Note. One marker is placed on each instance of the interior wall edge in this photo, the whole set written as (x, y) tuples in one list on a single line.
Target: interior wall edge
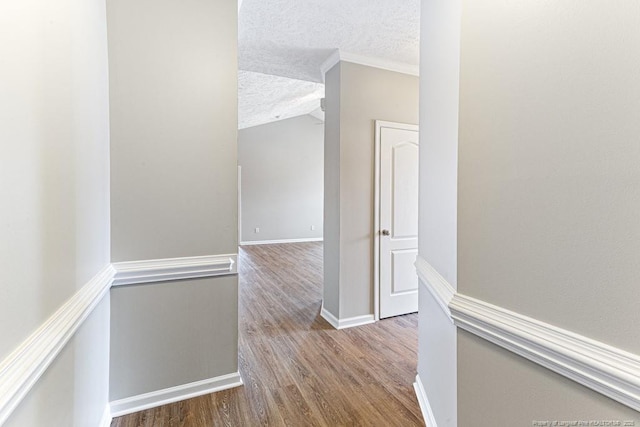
[(423, 401), (608, 370)]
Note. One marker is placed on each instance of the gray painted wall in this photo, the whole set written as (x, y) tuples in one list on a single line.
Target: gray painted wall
[(54, 181), (331, 245), (558, 173), (437, 240), (282, 179), (173, 132), (188, 328), (548, 173), (366, 94), (74, 390), (522, 391), (173, 71)]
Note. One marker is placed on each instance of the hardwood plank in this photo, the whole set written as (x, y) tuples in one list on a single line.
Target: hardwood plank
[(297, 369)]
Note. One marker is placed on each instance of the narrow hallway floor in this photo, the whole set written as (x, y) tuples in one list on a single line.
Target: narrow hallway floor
[(297, 369)]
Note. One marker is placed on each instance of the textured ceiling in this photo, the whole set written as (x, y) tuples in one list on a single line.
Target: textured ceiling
[(292, 38), (265, 98)]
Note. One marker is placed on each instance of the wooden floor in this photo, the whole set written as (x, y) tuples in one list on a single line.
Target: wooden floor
[(297, 369)]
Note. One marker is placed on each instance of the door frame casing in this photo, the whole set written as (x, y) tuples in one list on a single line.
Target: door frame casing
[(379, 124)]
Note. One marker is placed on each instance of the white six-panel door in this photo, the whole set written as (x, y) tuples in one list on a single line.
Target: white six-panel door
[(398, 218)]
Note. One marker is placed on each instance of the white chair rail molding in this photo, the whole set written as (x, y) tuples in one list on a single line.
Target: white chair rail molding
[(613, 372), (22, 368)]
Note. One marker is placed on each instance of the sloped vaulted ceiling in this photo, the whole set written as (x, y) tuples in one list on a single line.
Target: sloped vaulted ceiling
[(291, 39)]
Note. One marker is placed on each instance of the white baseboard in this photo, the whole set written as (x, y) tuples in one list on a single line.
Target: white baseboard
[(349, 322), (106, 419), (423, 401), (174, 394), (272, 242), (326, 315)]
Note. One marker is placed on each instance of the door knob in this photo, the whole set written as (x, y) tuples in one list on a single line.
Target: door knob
[(386, 233)]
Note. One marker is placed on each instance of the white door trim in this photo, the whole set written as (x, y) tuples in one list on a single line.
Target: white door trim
[(239, 202), (379, 124)]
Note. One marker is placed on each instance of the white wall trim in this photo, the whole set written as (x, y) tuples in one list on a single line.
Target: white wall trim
[(239, 201), (272, 242), (348, 322), (329, 317), (174, 394), (354, 58), (329, 63), (106, 419), (159, 270), (423, 401), (21, 369), (437, 286), (608, 370)]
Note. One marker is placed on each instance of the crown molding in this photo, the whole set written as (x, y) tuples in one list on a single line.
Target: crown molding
[(329, 63), (369, 61)]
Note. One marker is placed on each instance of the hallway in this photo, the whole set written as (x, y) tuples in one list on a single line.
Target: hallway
[(298, 370)]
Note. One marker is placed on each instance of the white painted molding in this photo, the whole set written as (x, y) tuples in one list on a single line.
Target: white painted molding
[(273, 242), (608, 370), (348, 322), (437, 286), (21, 369), (326, 315), (329, 63), (423, 401), (159, 270), (174, 394), (25, 365), (106, 419), (398, 67)]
